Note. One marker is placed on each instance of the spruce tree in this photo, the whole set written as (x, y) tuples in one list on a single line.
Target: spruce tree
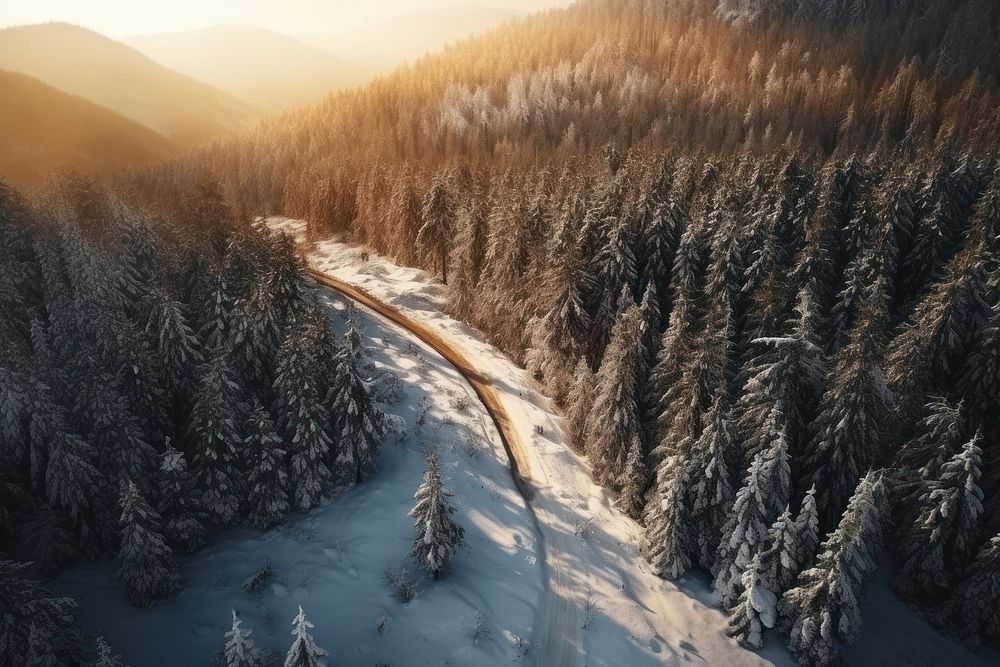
[(302, 418), (216, 440), (971, 610), (176, 343), (807, 528), (757, 504), (942, 540), (34, 622), (848, 435), (177, 503), (147, 565), (304, 652), (580, 402), (438, 216), (755, 609), (633, 480), (267, 479), (239, 650), (711, 493), (438, 536), (106, 656), (822, 611), (358, 424), (667, 546), (614, 418)]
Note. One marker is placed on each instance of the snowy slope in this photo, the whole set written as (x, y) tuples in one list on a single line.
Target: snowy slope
[(596, 577), (330, 560), (639, 618)]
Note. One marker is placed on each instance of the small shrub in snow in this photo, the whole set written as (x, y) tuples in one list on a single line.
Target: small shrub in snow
[(257, 580), (382, 625), (400, 585), (584, 528), (522, 647), (423, 412), (539, 429), (461, 405), (481, 632), (590, 609), (387, 388), (471, 445)]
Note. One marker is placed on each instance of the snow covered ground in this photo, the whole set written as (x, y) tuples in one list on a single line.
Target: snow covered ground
[(632, 617), (331, 560), (570, 589)]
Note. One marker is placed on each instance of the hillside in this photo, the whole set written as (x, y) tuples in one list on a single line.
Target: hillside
[(750, 248), (86, 64), (43, 129), (385, 45), (267, 70)]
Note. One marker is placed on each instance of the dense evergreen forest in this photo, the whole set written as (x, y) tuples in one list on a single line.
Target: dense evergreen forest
[(749, 246), (163, 374), (766, 239)]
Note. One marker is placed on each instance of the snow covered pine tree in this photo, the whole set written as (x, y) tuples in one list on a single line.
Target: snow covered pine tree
[(239, 650), (438, 536), (147, 568), (304, 652)]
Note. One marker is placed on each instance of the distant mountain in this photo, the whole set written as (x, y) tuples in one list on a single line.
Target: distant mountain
[(43, 129), (268, 70), (84, 63), (386, 45)]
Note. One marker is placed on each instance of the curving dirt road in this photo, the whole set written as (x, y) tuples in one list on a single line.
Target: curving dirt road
[(559, 640)]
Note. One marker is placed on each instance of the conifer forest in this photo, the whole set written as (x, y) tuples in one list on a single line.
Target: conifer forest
[(735, 262)]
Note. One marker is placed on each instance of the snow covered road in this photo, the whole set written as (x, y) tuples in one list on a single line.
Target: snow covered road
[(602, 606)]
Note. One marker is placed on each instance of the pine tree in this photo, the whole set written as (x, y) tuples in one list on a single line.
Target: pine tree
[(781, 561), (849, 433), (176, 342), (786, 374), (438, 215), (942, 540), (302, 417), (239, 649), (267, 480), (147, 569), (971, 610), (756, 608), (581, 400), (614, 418), (666, 545), (822, 610), (216, 439), (34, 622), (106, 656), (807, 528), (178, 507), (438, 536), (568, 323), (304, 652), (711, 494), (633, 480), (757, 504), (359, 425)]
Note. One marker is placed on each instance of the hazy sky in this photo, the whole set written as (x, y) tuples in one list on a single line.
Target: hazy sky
[(120, 18)]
